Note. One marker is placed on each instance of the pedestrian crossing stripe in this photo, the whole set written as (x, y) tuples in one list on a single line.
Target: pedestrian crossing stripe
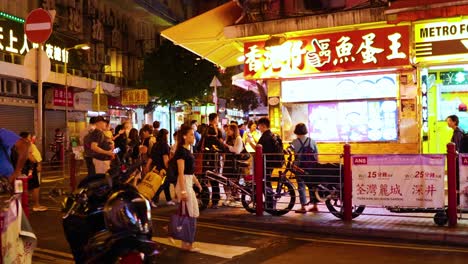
[(212, 249)]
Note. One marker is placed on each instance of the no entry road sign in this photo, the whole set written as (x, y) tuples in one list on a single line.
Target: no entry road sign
[(38, 26)]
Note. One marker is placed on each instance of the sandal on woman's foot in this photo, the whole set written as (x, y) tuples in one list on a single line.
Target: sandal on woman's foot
[(194, 250), (301, 211), (313, 209)]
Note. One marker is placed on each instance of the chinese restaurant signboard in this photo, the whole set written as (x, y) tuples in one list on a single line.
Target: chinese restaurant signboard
[(342, 51), (441, 38), (399, 180), (135, 97), (13, 40)]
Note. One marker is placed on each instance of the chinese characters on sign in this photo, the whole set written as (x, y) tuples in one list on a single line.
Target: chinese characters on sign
[(14, 40), (135, 97), (59, 97), (360, 49), (399, 180), (463, 180)]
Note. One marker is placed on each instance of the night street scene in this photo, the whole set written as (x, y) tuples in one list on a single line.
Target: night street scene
[(233, 131)]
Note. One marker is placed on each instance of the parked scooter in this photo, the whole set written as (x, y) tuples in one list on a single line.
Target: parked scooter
[(108, 221)]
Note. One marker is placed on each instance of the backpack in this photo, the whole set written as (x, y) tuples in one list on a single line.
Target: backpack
[(463, 148), (277, 160), (305, 155)]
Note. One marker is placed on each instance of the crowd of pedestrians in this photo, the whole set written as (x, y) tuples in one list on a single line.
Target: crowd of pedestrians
[(150, 146)]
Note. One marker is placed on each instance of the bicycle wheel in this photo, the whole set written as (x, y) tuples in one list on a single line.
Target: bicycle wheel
[(248, 200), (335, 206), (280, 202)]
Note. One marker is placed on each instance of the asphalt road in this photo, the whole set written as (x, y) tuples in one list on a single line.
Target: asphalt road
[(224, 243)]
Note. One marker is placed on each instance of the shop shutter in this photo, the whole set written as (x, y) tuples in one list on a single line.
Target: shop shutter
[(17, 118), (53, 120)]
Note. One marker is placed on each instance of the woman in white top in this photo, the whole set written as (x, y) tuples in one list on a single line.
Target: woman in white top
[(251, 136), (233, 146)]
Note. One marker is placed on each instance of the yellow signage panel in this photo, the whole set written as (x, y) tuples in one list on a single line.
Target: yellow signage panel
[(441, 30), (135, 97)]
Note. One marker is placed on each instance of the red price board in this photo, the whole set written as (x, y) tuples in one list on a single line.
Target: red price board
[(399, 180)]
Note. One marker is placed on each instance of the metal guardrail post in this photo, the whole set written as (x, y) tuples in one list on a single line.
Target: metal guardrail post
[(72, 172), (452, 184), (259, 175), (348, 185)]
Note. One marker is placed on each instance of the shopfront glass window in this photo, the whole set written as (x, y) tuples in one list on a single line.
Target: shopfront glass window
[(347, 109)]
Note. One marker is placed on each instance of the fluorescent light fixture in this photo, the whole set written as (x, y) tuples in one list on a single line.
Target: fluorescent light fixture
[(83, 46), (446, 67)]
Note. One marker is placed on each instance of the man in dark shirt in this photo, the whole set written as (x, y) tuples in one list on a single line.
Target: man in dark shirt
[(452, 122), (96, 140), (268, 144)]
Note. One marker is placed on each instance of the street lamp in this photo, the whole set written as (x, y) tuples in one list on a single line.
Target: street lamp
[(83, 46)]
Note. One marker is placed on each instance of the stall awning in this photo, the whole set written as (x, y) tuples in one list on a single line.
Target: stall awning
[(204, 35)]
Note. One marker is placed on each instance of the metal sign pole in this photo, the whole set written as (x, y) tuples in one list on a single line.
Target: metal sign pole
[(39, 100)]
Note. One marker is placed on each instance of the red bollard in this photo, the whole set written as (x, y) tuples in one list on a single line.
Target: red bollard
[(259, 175), (452, 184), (72, 172), (348, 185)]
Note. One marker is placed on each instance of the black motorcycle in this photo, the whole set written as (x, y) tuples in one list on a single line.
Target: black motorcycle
[(108, 221)]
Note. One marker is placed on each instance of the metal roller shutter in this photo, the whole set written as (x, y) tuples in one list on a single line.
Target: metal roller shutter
[(17, 118), (53, 119)]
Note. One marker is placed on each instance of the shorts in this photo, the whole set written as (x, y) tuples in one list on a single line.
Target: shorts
[(33, 183)]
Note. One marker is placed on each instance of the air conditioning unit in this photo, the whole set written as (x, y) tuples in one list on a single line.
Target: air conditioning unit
[(11, 87), (24, 88)]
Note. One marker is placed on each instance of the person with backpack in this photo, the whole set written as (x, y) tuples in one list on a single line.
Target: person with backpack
[(461, 145), (159, 161), (305, 158), (272, 148), (11, 143), (452, 122)]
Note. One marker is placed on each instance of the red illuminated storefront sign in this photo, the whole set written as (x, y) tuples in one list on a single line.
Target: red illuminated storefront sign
[(342, 51), (59, 97)]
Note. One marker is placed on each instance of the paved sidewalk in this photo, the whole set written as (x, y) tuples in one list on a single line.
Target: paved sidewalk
[(381, 224)]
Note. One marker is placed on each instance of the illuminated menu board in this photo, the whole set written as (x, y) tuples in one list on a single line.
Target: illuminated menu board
[(353, 121), (345, 88)]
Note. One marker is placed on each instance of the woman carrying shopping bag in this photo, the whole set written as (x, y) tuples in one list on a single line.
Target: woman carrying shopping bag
[(184, 189)]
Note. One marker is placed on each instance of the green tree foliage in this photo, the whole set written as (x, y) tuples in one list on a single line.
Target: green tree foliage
[(173, 73)]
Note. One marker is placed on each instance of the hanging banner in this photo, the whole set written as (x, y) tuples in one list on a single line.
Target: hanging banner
[(135, 97), (341, 51), (399, 180), (463, 174)]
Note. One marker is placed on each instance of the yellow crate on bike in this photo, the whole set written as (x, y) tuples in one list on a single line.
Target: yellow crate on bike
[(151, 183)]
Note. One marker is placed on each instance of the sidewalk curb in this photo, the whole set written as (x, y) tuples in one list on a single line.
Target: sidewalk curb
[(435, 235)]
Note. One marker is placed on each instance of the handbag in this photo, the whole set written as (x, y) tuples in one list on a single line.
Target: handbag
[(182, 226), (244, 155)]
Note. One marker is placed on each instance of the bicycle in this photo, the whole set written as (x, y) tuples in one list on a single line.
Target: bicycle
[(328, 178)]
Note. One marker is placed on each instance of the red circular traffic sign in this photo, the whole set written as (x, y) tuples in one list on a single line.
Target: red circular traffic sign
[(38, 26)]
